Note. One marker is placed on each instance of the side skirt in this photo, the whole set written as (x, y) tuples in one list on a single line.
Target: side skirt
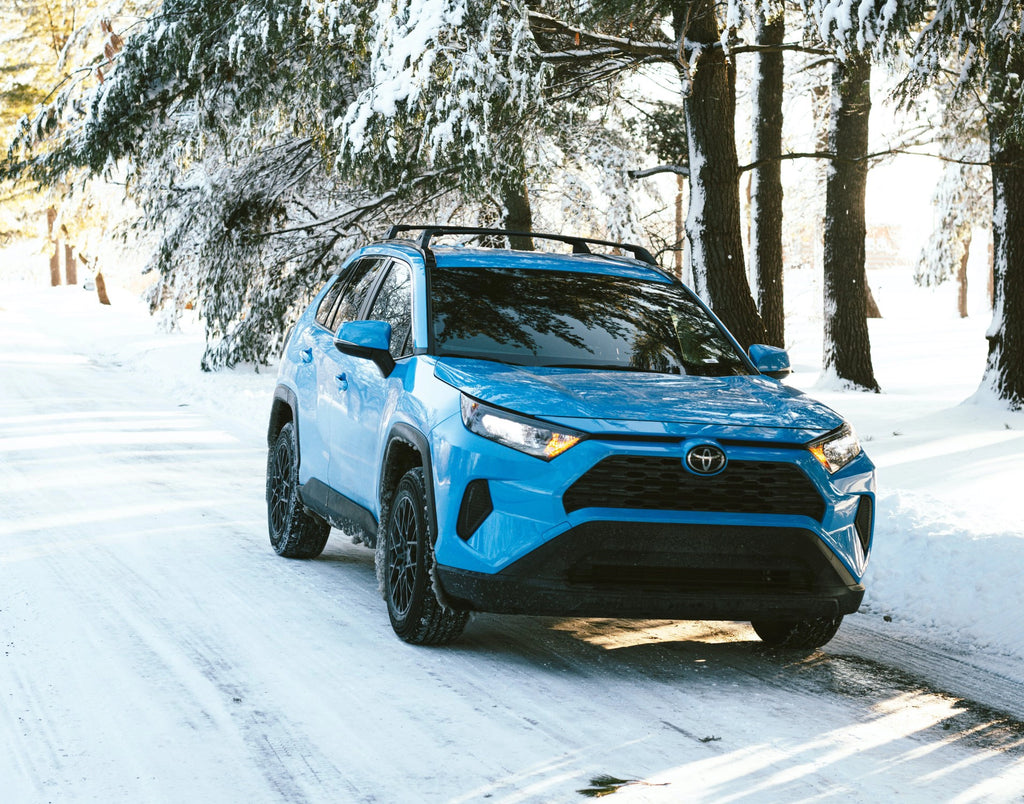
[(339, 510)]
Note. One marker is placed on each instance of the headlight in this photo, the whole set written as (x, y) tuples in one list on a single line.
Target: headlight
[(836, 449), (517, 432)]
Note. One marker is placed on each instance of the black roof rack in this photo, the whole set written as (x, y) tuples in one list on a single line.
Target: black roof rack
[(579, 244)]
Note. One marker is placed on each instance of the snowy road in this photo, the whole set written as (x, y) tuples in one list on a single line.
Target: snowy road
[(155, 649)]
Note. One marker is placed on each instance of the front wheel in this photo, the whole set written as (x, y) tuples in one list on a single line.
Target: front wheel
[(416, 614), (294, 533), (812, 632)]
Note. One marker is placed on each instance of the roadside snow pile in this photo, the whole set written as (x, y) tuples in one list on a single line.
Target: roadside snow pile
[(939, 572)]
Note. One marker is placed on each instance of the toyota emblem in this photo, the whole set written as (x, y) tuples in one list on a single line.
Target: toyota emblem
[(705, 459)]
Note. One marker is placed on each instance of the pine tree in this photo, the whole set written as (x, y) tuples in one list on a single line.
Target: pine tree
[(223, 116), (963, 194), (847, 343), (766, 181), (611, 35), (981, 44)]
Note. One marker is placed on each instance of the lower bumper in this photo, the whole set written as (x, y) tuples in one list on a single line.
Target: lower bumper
[(665, 570)]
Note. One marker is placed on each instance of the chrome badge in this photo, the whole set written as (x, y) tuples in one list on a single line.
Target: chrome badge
[(706, 459)]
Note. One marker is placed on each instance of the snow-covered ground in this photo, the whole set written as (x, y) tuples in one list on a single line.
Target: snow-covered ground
[(154, 648)]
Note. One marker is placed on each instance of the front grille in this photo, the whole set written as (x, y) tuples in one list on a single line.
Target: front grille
[(663, 484)]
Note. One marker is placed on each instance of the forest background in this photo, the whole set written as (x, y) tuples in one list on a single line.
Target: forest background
[(245, 148)]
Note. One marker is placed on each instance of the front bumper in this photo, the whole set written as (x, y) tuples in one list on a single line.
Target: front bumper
[(740, 551), (672, 571)]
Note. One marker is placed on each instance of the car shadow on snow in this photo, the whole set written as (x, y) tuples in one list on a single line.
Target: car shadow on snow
[(660, 652)]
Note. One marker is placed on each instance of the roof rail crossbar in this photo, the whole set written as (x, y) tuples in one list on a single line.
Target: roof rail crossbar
[(579, 244)]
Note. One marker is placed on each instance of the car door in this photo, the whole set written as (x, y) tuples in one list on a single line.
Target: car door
[(333, 368), (308, 342), (356, 434)]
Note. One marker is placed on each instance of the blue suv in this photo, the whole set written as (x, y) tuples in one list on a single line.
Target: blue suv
[(572, 434)]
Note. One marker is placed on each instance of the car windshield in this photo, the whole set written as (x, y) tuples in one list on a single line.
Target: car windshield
[(579, 320)]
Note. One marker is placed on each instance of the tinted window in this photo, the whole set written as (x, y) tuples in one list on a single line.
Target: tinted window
[(358, 280), (556, 318), (394, 305), (323, 312)]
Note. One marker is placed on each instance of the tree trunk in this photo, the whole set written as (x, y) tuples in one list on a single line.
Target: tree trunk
[(680, 235), (766, 190), (1004, 369), (515, 200), (847, 345), (713, 219), (961, 276), (54, 237), (70, 264), (869, 300), (991, 276), (516, 214), (821, 106), (101, 288)]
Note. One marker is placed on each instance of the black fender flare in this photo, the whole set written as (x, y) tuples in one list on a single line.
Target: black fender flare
[(284, 408), (402, 433)]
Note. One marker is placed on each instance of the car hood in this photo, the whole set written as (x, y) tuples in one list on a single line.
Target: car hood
[(628, 402)]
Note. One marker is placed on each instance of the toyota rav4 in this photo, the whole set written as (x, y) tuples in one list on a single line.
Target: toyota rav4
[(568, 433)]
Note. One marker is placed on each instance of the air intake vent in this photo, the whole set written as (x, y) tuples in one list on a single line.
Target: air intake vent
[(865, 517), (476, 507)]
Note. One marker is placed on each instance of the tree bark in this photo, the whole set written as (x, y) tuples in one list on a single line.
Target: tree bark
[(518, 217), (869, 300), (961, 276), (713, 220), (821, 103), (101, 288), (1004, 369), (766, 181), (847, 345), (54, 237), (680, 232), (70, 264)]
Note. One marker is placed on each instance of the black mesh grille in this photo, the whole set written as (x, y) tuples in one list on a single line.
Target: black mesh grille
[(663, 484)]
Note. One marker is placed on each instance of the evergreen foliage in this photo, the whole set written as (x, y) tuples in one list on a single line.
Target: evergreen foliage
[(963, 195), (261, 138)]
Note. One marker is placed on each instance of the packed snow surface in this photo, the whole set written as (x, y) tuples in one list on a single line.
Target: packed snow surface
[(155, 649)]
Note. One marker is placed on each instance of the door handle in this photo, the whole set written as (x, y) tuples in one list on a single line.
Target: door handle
[(307, 355), (342, 382)]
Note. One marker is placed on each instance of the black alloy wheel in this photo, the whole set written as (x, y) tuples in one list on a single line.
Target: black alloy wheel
[(417, 615), (294, 533)]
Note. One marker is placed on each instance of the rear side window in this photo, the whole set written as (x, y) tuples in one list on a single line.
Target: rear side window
[(394, 305), (356, 282), (323, 312)]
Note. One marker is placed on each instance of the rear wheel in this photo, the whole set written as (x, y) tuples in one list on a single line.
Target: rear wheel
[(294, 533), (812, 632), (416, 614)]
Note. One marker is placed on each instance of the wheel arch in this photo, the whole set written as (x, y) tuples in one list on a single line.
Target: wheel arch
[(282, 411), (406, 449)]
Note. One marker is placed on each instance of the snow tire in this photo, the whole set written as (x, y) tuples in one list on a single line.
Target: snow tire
[(417, 615), (812, 632), (294, 532)]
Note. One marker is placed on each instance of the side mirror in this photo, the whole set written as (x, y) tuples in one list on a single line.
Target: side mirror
[(770, 360), (367, 339)]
